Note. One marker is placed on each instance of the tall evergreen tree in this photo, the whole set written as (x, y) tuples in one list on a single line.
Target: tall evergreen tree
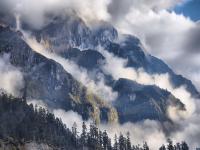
[(122, 142), (184, 146), (178, 146), (162, 147), (74, 134), (105, 140), (145, 146), (83, 135), (170, 145), (115, 145), (100, 139), (128, 141)]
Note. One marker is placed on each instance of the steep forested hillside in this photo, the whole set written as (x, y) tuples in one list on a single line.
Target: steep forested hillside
[(23, 126), (25, 123)]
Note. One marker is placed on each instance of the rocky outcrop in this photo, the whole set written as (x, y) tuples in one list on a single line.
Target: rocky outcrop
[(137, 102)]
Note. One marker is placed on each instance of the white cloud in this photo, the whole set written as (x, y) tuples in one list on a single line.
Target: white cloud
[(71, 117), (165, 34), (161, 32), (38, 103), (11, 79), (35, 12)]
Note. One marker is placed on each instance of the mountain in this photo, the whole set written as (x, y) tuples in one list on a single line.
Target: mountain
[(46, 80), (71, 32), (150, 101), (70, 38)]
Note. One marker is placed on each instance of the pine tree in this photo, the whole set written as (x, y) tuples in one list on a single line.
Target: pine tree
[(162, 147), (116, 145), (184, 146), (128, 141), (84, 134), (145, 146), (74, 129), (122, 142), (178, 146), (74, 134), (170, 145), (109, 144), (105, 140), (100, 139)]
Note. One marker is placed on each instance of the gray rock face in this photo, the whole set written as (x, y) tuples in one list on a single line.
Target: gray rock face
[(88, 59), (47, 80), (150, 101)]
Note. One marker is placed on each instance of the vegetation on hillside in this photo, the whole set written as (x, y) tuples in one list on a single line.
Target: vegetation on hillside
[(25, 123)]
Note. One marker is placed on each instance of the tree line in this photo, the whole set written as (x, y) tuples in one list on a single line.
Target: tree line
[(26, 123)]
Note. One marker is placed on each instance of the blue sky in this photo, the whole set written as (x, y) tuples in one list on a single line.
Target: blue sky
[(190, 9)]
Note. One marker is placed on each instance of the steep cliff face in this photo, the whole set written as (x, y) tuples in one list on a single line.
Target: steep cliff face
[(150, 101), (47, 80)]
